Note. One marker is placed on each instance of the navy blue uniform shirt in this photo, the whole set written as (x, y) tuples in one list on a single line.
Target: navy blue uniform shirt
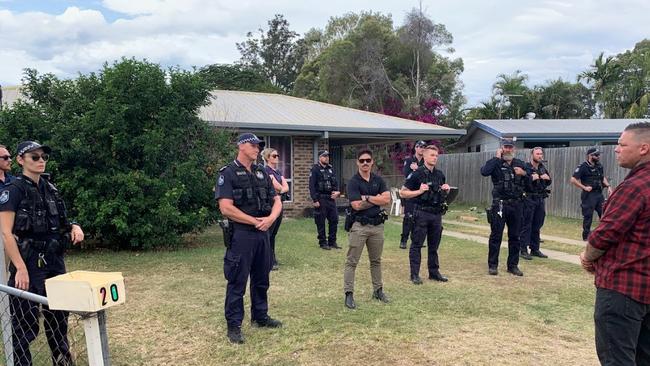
[(582, 172), (406, 170), (8, 179), (315, 175), (223, 188)]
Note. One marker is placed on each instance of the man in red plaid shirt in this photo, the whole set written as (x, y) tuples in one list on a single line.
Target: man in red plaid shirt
[(618, 253)]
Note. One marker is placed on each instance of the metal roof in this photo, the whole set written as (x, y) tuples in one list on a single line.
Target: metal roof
[(286, 115), (551, 129)]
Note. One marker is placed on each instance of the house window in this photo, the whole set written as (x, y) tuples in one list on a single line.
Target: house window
[(469, 149), (478, 148), (284, 146)]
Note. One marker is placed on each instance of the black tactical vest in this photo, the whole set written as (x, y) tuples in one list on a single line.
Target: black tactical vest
[(509, 184), (538, 186), (39, 214), (325, 183), (251, 191), (595, 176), (432, 197)]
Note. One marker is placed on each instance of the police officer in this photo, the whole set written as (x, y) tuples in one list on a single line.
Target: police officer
[(35, 230), (424, 188), (590, 178), (324, 189), (5, 167), (247, 198), (509, 179), (534, 210), (367, 192), (411, 164)]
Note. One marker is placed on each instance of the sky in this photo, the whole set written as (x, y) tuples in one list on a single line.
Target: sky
[(546, 40)]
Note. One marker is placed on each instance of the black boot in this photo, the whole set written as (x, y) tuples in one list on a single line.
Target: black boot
[(267, 322), (379, 294), (416, 280), (515, 271), (538, 253), (524, 254), (349, 301), (402, 245), (235, 336)]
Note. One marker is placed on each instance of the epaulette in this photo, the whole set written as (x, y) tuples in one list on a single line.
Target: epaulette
[(223, 167)]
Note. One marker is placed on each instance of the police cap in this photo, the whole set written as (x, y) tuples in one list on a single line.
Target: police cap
[(593, 151), (507, 142), (27, 146), (420, 144), (323, 153), (251, 138)]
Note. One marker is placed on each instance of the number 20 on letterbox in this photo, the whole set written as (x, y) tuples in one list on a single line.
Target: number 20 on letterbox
[(85, 291)]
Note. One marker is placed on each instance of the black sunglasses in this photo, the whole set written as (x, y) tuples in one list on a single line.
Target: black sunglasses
[(367, 161), (37, 157), (6, 157), (275, 155)]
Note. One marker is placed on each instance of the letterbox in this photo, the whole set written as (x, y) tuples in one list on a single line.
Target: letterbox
[(85, 291)]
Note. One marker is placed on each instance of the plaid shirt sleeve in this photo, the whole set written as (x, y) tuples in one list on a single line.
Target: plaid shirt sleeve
[(621, 212)]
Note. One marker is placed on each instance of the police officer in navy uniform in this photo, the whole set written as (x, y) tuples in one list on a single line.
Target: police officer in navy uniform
[(509, 178), (247, 198), (5, 167), (534, 210), (324, 189), (590, 178), (411, 164), (423, 188), (35, 230)]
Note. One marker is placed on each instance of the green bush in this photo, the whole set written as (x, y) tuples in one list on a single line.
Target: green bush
[(134, 162)]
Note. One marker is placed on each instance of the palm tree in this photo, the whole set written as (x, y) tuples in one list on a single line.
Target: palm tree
[(509, 87)]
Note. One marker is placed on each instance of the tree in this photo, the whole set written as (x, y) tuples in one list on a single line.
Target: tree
[(278, 53), (421, 35), (236, 77), (559, 99), (509, 91), (134, 162)]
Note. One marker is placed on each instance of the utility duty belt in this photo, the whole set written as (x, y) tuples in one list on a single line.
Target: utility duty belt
[(430, 209), (325, 195), (363, 220), (508, 201)]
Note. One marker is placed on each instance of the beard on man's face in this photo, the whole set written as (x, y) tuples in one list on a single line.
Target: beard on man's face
[(508, 156)]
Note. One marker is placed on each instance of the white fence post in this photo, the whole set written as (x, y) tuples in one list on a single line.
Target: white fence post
[(5, 311), (96, 339)]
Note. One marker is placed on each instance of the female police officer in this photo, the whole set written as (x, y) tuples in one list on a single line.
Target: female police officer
[(35, 230)]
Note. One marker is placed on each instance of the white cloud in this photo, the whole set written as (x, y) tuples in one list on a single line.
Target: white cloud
[(545, 39)]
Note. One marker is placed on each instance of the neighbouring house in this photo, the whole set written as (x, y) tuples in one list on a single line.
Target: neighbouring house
[(298, 128), (485, 135)]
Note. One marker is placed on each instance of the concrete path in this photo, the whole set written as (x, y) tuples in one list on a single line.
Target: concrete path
[(556, 239), (552, 254)]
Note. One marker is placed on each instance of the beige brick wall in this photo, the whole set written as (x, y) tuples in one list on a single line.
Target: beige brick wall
[(303, 160)]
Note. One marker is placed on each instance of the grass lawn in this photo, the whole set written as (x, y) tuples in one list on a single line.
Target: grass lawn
[(553, 225), (174, 308)]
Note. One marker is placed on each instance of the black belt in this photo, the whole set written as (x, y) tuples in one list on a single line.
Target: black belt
[(363, 220), (325, 195), (430, 209), (245, 227), (508, 201)]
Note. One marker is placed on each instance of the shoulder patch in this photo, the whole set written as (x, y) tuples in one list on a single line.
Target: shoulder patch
[(4, 197), (221, 180), (409, 176), (577, 170), (223, 168), (259, 174)]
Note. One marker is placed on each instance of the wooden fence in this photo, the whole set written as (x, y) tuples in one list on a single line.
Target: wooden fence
[(463, 171)]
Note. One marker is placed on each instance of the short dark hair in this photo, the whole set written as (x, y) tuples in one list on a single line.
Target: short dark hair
[(432, 147), (364, 151), (640, 129)]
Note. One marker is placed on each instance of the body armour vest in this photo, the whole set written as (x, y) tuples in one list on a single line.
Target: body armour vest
[(539, 186), (325, 181), (509, 185), (432, 197), (251, 191), (595, 176), (39, 214)]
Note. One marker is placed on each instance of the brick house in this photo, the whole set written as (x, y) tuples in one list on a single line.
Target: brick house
[(298, 128)]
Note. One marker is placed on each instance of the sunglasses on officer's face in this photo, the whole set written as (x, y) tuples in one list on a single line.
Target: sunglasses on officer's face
[(36, 157), (6, 157), (275, 155), (367, 161)]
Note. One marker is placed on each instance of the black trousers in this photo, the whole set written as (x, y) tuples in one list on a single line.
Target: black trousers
[(249, 255), (25, 314), (407, 223), (326, 211), (512, 214), (427, 225), (533, 220), (591, 201), (273, 231), (622, 329)]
